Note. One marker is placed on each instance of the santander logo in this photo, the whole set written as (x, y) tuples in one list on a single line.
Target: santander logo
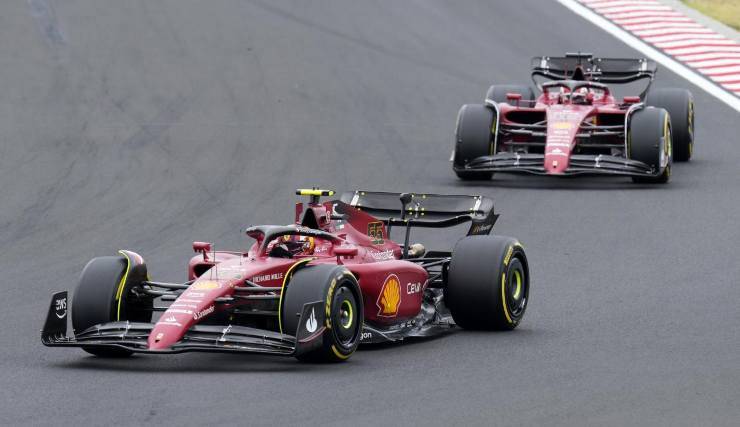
[(203, 313)]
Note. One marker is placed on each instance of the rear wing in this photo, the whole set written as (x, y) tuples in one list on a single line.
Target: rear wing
[(425, 210), (583, 66)]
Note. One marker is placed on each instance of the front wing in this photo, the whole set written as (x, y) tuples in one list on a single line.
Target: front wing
[(580, 164), (133, 336)]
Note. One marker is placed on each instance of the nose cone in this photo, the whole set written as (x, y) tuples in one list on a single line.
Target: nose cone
[(167, 331), (196, 303), (556, 162)]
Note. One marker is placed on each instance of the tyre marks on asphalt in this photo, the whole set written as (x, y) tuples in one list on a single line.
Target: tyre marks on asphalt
[(677, 35)]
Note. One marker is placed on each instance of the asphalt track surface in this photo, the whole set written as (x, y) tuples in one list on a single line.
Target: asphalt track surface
[(147, 125)]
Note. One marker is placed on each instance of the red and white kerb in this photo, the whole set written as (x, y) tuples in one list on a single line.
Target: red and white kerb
[(696, 46)]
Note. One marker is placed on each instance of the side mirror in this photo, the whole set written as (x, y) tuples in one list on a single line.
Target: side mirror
[(511, 96), (631, 99), (202, 247), (516, 97), (346, 252)]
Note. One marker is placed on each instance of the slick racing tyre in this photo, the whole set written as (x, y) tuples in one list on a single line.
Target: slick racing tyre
[(497, 93), (487, 283), (103, 296), (680, 106), (338, 288), (649, 140), (473, 139)]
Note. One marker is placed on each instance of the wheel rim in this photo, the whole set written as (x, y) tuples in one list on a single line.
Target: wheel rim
[(344, 316), (517, 290)]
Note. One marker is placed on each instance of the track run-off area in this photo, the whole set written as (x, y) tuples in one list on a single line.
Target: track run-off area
[(146, 125)]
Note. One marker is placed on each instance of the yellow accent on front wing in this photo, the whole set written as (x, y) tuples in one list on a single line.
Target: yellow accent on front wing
[(282, 289), (121, 285)]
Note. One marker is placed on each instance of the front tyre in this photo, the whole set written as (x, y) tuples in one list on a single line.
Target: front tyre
[(473, 139), (649, 140), (103, 295), (680, 106), (487, 283), (338, 288)]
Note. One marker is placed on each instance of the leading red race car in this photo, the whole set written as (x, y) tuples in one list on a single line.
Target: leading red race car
[(314, 289), (576, 125)]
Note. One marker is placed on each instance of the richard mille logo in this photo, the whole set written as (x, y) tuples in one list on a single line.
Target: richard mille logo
[(311, 322)]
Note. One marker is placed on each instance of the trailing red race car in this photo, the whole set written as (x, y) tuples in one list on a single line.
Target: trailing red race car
[(576, 125), (314, 289)]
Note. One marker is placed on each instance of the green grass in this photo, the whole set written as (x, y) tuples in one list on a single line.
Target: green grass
[(725, 11)]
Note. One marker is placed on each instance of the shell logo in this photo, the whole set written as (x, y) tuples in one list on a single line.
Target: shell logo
[(390, 297)]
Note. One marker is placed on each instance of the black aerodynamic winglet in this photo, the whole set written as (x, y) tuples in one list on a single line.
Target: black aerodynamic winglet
[(55, 325), (311, 326)]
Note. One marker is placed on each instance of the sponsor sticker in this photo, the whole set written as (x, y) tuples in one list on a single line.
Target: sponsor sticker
[(179, 310), (60, 307), (413, 288), (171, 320), (206, 285), (192, 294), (481, 228), (390, 297), (311, 323), (203, 313), (375, 232), (177, 304), (382, 255), (267, 277)]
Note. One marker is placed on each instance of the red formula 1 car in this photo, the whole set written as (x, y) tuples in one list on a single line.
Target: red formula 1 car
[(314, 289), (576, 125)]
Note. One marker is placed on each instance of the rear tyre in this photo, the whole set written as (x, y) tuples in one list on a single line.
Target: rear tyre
[(649, 140), (497, 93), (95, 300), (337, 286), (487, 283), (475, 124), (680, 106)]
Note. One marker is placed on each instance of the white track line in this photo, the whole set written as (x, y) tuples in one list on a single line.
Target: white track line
[(660, 57)]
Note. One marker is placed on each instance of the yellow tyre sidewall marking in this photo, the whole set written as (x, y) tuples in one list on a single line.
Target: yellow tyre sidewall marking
[(122, 284), (339, 354), (503, 297)]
